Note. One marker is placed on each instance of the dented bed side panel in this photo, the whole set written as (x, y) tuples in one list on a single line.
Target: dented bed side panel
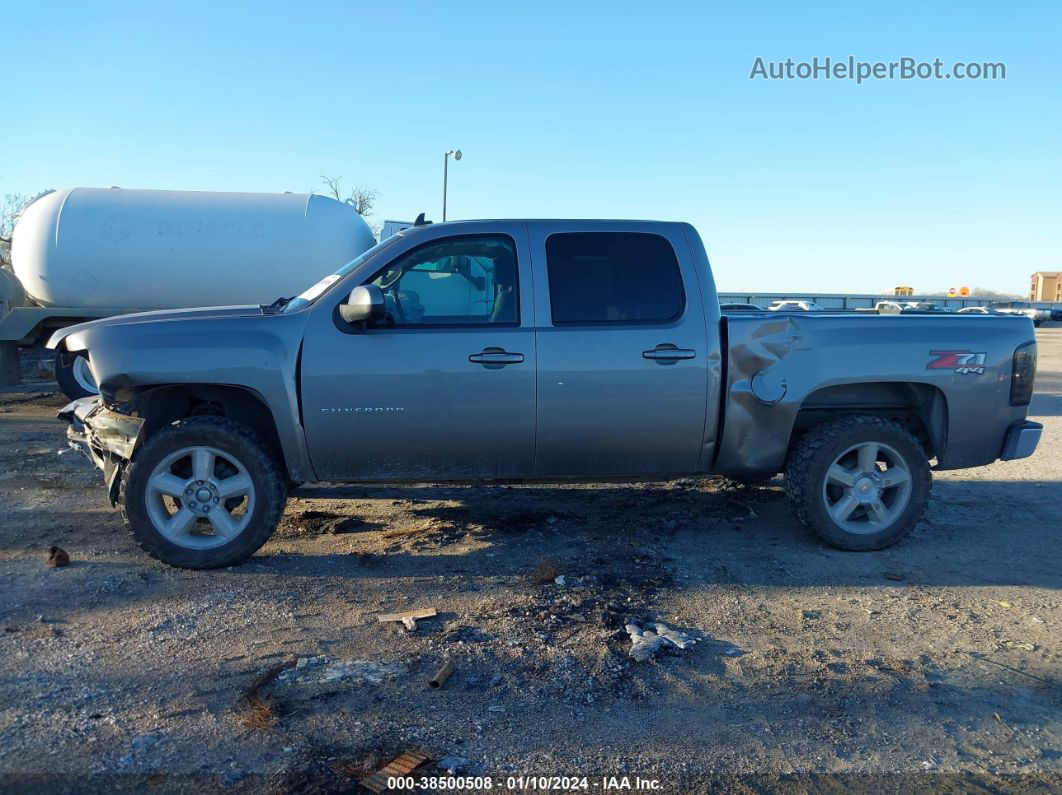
[(776, 362)]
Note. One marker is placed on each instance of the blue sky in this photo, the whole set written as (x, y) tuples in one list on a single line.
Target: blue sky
[(576, 110)]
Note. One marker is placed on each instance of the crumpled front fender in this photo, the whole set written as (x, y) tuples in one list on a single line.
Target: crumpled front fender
[(237, 347)]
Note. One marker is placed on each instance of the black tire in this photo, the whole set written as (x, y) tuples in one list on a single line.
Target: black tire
[(820, 447), (270, 489), (64, 376)]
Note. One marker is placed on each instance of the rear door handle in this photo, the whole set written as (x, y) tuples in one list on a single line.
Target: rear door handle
[(667, 352), (496, 357)]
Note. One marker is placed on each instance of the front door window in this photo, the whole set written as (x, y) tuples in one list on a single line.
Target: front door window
[(459, 281)]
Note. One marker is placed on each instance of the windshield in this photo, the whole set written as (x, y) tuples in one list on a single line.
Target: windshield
[(308, 296)]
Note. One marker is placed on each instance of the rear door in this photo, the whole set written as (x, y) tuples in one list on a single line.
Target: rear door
[(623, 359), (444, 390)]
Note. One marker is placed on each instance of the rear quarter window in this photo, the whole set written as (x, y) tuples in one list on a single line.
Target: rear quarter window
[(613, 278)]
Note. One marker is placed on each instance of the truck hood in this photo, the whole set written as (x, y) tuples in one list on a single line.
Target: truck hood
[(158, 316), (245, 346)]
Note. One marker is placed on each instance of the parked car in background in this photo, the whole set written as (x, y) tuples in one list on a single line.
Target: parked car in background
[(977, 310), (794, 306), (925, 306), (1056, 314), (740, 308), (1037, 316), (883, 308)]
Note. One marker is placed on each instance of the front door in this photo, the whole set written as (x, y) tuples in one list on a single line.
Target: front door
[(445, 389), (624, 364)]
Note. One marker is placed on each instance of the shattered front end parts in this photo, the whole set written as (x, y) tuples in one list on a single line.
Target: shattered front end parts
[(106, 437)]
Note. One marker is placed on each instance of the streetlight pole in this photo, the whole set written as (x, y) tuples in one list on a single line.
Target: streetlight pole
[(456, 154)]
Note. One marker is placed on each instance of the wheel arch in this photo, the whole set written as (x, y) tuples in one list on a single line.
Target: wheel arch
[(921, 408), (162, 405)]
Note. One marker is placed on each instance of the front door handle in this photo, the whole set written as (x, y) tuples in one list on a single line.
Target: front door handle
[(666, 352), (496, 357)]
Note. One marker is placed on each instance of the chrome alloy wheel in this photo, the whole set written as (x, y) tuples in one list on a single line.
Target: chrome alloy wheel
[(867, 488), (200, 497)]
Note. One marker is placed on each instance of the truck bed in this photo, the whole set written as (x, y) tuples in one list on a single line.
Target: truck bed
[(777, 363)]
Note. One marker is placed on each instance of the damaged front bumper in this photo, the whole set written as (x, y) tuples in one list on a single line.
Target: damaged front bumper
[(106, 437)]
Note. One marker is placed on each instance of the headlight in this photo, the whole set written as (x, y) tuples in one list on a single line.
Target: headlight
[(1022, 373)]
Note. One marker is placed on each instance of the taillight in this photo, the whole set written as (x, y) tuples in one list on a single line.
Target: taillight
[(1022, 374)]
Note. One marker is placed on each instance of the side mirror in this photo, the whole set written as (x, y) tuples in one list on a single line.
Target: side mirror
[(365, 305)]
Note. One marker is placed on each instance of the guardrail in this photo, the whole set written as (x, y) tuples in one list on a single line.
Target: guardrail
[(863, 300)]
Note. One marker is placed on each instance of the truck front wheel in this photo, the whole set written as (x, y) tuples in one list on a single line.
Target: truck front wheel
[(858, 482), (203, 493)]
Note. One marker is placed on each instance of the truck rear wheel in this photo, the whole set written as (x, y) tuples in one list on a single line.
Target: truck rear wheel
[(74, 376), (203, 493), (858, 482)]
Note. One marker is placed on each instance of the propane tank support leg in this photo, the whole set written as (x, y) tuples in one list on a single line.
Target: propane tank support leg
[(9, 370)]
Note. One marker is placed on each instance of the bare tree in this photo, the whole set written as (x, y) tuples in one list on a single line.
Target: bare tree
[(983, 293), (995, 295), (361, 197), (10, 208)]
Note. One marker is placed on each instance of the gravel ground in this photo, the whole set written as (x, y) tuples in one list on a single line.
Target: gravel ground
[(931, 665)]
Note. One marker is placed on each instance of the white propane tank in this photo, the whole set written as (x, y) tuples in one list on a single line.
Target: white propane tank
[(161, 249)]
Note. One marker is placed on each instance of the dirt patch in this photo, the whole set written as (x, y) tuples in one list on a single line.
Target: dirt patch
[(545, 572), (309, 522), (256, 710)]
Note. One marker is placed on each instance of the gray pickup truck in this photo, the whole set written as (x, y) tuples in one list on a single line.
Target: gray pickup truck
[(522, 351)]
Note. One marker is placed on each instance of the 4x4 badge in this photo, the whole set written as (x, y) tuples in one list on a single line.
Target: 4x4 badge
[(960, 362)]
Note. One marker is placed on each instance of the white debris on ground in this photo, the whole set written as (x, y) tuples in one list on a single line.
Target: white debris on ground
[(321, 670), (455, 765), (646, 643)]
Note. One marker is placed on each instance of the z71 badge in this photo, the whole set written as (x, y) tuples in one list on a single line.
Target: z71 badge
[(960, 362)]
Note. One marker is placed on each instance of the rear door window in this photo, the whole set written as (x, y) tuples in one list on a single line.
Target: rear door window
[(613, 278)]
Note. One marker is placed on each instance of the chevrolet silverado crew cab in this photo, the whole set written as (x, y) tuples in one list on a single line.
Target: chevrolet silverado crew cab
[(535, 351)]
